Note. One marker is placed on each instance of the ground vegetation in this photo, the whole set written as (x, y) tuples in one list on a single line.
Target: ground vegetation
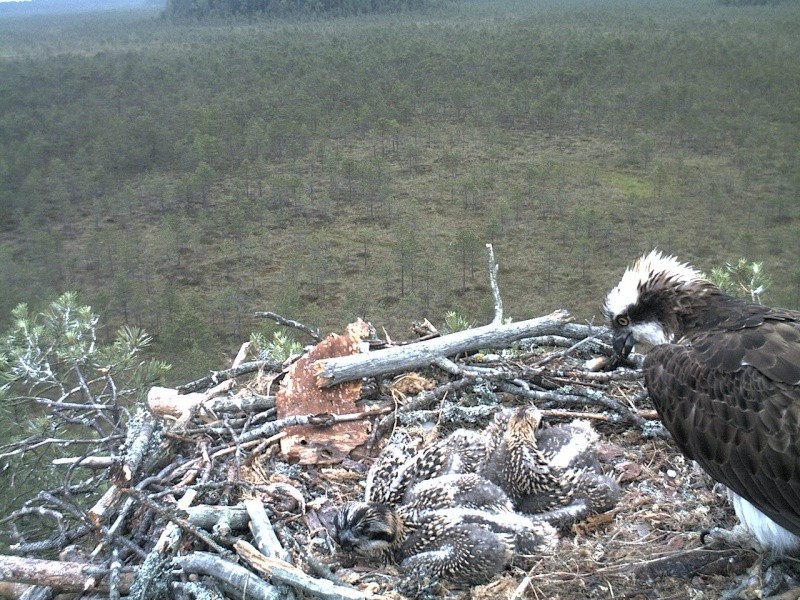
[(183, 176)]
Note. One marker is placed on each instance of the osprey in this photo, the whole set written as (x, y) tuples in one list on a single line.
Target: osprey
[(724, 375)]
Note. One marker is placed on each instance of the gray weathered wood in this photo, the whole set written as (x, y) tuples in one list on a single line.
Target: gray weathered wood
[(60, 575), (206, 563), (414, 356), (263, 533), (207, 516)]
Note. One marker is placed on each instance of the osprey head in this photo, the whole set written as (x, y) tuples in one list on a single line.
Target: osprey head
[(647, 303), (368, 528)]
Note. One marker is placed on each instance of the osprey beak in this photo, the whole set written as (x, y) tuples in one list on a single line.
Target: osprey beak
[(347, 540), (623, 343)]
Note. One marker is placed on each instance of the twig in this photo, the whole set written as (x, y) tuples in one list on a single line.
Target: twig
[(220, 376), (498, 300), (170, 534), (421, 401), (313, 333), (320, 420), (182, 523), (520, 591), (563, 353), (29, 444), (586, 397), (313, 563)]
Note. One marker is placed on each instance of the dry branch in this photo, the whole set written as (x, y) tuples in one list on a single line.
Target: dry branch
[(286, 573), (205, 563), (220, 376), (263, 533), (334, 371), (206, 516), (312, 333), (494, 269), (61, 575)]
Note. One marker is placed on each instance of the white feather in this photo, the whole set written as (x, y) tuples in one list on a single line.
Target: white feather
[(645, 269), (651, 332), (583, 437), (768, 533)]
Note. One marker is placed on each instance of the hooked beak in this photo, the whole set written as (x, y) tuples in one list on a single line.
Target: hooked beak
[(623, 343), (346, 540)]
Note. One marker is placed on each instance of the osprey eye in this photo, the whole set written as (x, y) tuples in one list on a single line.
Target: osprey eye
[(623, 321)]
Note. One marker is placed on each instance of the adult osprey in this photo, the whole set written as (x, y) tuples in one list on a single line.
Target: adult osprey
[(724, 375)]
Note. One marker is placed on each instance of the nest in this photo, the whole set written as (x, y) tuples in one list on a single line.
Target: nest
[(227, 488)]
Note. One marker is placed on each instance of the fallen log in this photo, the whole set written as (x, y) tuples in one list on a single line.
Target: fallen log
[(333, 371)]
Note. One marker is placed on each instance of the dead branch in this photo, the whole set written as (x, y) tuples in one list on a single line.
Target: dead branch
[(333, 371), (495, 287), (313, 334), (174, 518), (171, 534), (286, 573), (320, 420), (170, 402), (263, 533), (575, 396), (216, 377), (207, 516), (205, 563), (137, 448), (60, 575), (87, 462)]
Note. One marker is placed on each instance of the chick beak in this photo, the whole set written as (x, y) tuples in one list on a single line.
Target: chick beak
[(623, 343), (346, 540)]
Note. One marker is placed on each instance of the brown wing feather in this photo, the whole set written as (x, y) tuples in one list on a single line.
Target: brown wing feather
[(731, 401)]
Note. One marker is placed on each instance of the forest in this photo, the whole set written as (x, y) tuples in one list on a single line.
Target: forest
[(181, 175), (205, 10), (170, 175)]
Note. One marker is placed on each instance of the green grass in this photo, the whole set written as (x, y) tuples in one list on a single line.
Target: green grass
[(629, 185)]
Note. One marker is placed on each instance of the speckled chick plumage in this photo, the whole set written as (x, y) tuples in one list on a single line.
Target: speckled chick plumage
[(460, 527), (398, 468), (552, 473), (464, 506)]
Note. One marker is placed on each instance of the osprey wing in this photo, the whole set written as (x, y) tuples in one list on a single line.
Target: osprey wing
[(766, 339), (731, 401)]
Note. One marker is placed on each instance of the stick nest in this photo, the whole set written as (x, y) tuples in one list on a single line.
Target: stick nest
[(197, 467)]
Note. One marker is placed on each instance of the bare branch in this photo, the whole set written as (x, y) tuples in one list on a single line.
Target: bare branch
[(494, 269), (413, 356), (313, 333)]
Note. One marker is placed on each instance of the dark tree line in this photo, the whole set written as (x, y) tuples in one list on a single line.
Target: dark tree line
[(201, 9)]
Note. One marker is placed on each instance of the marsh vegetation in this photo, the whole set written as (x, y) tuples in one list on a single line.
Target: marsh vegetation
[(181, 176)]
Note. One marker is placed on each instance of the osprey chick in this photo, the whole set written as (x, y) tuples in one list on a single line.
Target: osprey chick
[(456, 527), (551, 474), (724, 375)]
